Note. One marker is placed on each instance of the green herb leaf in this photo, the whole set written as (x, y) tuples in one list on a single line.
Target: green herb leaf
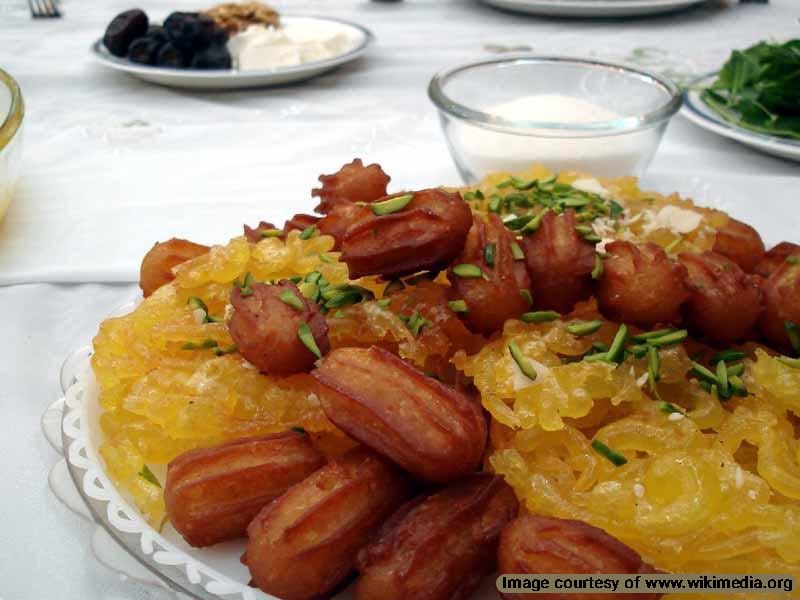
[(523, 363), (609, 453), (307, 337), (392, 205)]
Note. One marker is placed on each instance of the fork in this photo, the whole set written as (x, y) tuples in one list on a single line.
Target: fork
[(44, 9)]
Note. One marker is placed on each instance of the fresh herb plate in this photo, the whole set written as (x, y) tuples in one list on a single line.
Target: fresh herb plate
[(699, 112)]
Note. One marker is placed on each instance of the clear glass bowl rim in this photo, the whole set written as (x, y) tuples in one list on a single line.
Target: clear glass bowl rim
[(16, 112), (552, 129)]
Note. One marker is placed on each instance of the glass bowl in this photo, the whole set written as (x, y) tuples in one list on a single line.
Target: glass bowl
[(12, 112), (565, 113)]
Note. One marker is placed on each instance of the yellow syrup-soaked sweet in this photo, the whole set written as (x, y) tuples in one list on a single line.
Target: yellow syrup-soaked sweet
[(712, 489)]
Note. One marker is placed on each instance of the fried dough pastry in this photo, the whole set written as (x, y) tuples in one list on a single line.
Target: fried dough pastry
[(157, 264), (498, 296), (640, 285), (256, 234), (339, 218), (300, 222), (428, 428), (560, 263), (782, 303), (740, 243), (439, 546), (304, 544), (724, 302), (539, 545), (266, 325), (212, 494), (775, 257), (427, 234), (352, 183)]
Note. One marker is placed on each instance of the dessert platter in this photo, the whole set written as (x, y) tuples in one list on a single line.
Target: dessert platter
[(407, 392), (232, 45)]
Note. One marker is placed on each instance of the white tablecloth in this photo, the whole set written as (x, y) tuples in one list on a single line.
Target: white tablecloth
[(112, 165)]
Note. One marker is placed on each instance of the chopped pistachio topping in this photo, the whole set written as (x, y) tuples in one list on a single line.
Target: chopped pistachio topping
[(523, 363), (535, 222), (488, 254), (703, 373), (789, 362), (307, 337), (526, 295), (737, 385), (516, 251), (288, 297), (727, 356), (540, 316), (325, 258), (415, 323), (793, 260), (392, 205), (643, 337), (673, 244), (270, 233), (226, 350), (669, 339), (518, 223), (597, 272), (458, 306), (495, 203), (308, 232), (581, 328), (653, 366), (299, 430), (592, 238), (467, 270), (669, 408), (722, 379), (204, 345), (196, 303), (638, 350), (735, 370), (244, 284), (609, 453), (617, 348), (384, 302), (584, 229), (148, 476)]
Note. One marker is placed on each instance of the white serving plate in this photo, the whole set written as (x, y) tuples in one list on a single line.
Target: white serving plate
[(701, 114), (221, 79), (592, 8)]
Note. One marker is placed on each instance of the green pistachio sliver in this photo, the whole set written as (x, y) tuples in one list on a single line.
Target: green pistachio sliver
[(204, 345), (523, 363), (618, 344), (299, 430), (723, 387), (494, 204), (309, 290), (653, 365), (392, 205), (597, 357), (467, 270), (271, 233), (643, 337), (535, 222), (669, 408), (415, 324), (488, 254), (516, 251), (576, 202), (526, 295), (673, 244), (518, 223), (540, 316), (669, 339), (288, 297), (504, 184), (384, 302), (597, 272), (343, 298), (793, 331), (458, 306), (615, 209), (308, 232), (789, 362), (313, 277), (581, 328), (727, 356), (609, 453), (584, 229), (148, 476), (197, 303), (703, 373), (793, 260), (735, 370), (638, 350), (325, 258), (592, 238), (522, 184), (307, 337)]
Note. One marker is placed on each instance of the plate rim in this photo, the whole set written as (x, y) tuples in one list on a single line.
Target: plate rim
[(593, 4), (710, 121), (105, 58), (191, 575)]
